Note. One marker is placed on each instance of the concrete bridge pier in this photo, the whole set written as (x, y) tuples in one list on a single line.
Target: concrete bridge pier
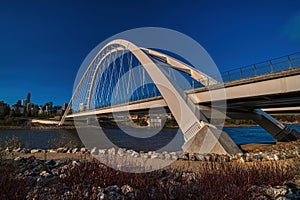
[(91, 120), (278, 130), (209, 139)]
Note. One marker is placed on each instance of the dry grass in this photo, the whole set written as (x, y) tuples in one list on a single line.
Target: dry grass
[(209, 180)]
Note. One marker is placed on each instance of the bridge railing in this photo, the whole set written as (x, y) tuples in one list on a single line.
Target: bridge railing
[(266, 67)]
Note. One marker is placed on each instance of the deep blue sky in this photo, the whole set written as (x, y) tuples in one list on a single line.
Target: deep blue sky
[(42, 43)]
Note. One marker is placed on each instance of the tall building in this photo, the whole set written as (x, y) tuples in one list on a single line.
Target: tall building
[(48, 107), (64, 106), (19, 103), (28, 97), (28, 107), (24, 102)]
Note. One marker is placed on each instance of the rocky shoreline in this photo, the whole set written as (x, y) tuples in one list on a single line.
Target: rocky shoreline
[(50, 179), (281, 151), (73, 173)]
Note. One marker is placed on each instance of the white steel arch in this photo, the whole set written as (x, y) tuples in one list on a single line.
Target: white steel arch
[(183, 113), (173, 63), (126, 45), (96, 72)]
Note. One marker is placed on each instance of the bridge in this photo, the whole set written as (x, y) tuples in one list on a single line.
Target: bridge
[(155, 79)]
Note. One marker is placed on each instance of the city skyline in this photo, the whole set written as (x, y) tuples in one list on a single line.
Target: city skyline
[(27, 108), (24, 101), (43, 44)]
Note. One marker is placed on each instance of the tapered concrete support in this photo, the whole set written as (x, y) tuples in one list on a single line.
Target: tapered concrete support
[(279, 131), (91, 120), (211, 140)]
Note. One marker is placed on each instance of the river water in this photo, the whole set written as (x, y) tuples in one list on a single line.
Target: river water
[(45, 139)]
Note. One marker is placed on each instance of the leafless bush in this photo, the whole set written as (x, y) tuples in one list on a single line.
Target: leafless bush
[(214, 180), (10, 186)]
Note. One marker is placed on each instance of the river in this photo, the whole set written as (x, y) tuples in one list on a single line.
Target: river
[(45, 139)]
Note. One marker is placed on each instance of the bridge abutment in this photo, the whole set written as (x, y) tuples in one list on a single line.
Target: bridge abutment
[(209, 139)]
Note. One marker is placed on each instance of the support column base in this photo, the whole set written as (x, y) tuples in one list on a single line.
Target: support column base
[(287, 135), (211, 140)]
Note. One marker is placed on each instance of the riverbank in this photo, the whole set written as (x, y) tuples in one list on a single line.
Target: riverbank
[(260, 172), (37, 126), (251, 153), (74, 174), (50, 124), (228, 125)]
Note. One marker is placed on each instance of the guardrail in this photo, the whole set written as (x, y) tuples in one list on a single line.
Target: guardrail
[(266, 67)]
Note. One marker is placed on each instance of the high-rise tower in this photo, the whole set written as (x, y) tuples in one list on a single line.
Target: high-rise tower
[(28, 98)]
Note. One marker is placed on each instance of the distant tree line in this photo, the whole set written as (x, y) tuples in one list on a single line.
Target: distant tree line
[(12, 116), (288, 118)]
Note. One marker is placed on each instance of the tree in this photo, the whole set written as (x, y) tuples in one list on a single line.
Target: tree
[(4, 110)]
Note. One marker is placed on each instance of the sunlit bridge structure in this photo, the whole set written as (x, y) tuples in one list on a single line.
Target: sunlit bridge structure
[(123, 76)]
